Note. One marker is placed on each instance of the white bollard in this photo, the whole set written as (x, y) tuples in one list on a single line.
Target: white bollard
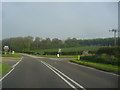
[(58, 55), (13, 52)]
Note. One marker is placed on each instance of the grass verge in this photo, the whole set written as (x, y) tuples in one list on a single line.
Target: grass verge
[(4, 68), (54, 56), (61, 56), (12, 55), (104, 67)]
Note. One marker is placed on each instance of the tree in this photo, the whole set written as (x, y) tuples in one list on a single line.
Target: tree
[(71, 42)]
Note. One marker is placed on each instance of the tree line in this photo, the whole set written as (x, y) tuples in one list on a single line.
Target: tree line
[(29, 43)]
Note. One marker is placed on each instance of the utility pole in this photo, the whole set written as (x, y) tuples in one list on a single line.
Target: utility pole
[(115, 32)]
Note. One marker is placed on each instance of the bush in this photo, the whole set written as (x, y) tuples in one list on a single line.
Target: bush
[(110, 51), (28, 52), (103, 58), (66, 52)]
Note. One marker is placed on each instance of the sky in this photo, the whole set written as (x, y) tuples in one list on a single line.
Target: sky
[(81, 20)]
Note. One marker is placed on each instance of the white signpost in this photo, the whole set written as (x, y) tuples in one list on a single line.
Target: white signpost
[(59, 51)]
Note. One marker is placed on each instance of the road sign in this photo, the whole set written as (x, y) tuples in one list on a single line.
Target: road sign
[(6, 48), (59, 50)]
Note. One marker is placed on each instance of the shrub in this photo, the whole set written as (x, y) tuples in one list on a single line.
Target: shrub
[(103, 58), (28, 52), (66, 52), (109, 50)]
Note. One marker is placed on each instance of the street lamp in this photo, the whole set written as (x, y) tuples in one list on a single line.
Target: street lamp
[(115, 32)]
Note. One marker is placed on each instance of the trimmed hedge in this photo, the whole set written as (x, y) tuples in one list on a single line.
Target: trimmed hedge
[(110, 51), (67, 53), (28, 52), (103, 58)]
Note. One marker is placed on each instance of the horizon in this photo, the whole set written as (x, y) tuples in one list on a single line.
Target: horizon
[(59, 38)]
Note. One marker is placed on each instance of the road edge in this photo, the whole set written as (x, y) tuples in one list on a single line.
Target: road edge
[(93, 68), (13, 67)]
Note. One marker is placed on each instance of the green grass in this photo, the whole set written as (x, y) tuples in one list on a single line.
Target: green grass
[(61, 56), (90, 48), (12, 55), (4, 68), (105, 67), (55, 56)]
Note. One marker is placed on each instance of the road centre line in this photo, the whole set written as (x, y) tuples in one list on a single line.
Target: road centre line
[(13, 67), (59, 75), (67, 77), (53, 69)]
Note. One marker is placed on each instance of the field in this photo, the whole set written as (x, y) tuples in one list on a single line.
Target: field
[(72, 49)]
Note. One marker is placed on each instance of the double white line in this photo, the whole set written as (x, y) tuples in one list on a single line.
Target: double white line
[(63, 76)]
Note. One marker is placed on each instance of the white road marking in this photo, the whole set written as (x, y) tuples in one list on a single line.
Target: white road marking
[(67, 77), (33, 56), (59, 75), (53, 69), (17, 63), (13, 67), (7, 74)]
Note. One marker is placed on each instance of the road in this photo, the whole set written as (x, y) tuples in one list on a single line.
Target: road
[(39, 72), (10, 60)]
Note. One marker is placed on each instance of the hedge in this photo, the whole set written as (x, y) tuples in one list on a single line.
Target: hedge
[(103, 58), (110, 51)]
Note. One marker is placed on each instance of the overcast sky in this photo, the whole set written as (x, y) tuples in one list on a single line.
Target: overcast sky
[(82, 20)]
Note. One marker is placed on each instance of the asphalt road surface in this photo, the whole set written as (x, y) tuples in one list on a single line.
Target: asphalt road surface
[(39, 72)]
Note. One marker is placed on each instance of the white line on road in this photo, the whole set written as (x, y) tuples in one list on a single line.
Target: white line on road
[(59, 75), (7, 74), (68, 77), (53, 69), (13, 67), (17, 63)]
